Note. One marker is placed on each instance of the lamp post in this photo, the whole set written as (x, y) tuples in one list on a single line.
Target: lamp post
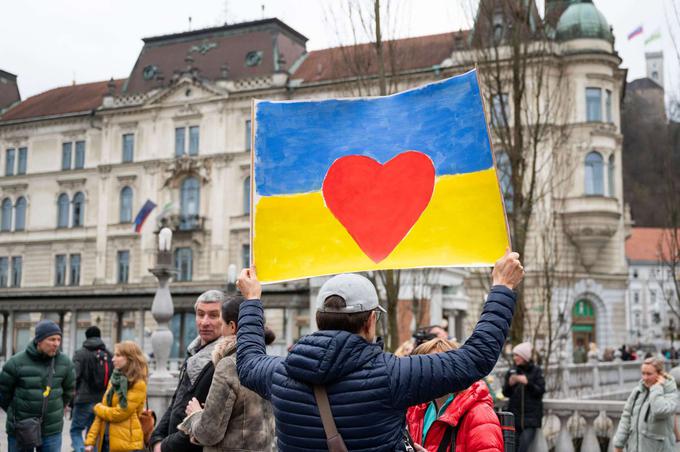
[(671, 329), (161, 382)]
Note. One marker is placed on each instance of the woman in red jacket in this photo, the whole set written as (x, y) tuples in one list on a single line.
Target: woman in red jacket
[(468, 413)]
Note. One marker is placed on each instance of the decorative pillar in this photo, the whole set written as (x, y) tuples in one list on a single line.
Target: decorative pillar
[(563, 443), (73, 333), (9, 325), (161, 382)]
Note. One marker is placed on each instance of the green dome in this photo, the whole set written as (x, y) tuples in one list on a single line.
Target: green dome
[(583, 20)]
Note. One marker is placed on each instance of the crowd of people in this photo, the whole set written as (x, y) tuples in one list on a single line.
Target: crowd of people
[(336, 390)]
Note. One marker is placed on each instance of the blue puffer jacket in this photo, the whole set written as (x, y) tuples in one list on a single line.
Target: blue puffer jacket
[(369, 390)]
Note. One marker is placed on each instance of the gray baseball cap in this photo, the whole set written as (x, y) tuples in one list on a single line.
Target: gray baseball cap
[(357, 291)]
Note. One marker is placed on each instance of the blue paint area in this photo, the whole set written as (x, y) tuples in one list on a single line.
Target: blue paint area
[(296, 142)]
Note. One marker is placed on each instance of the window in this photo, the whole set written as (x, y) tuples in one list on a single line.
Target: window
[(16, 271), (20, 214), (123, 266), (23, 158), (498, 27), (78, 209), (245, 256), (499, 105), (128, 147), (4, 271), (183, 264), (193, 140), (246, 195), (6, 222), (608, 106), (652, 296), (611, 176), (505, 178), (9, 162), (62, 211), (126, 205), (594, 174), (66, 155), (80, 154), (60, 270), (74, 269), (189, 203), (636, 297), (248, 135), (593, 104), (181, 142)]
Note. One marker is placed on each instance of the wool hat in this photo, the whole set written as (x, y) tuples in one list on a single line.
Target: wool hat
[(523, 350), (357, 291), (44, 329), (93, 331)]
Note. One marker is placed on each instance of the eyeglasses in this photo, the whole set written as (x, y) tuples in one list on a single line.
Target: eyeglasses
[(378, 313)]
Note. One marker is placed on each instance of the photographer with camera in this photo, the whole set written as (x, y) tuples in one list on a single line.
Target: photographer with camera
[(525, 386)]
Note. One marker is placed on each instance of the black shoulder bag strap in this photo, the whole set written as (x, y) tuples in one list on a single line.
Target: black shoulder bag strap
[(448, 442), (333, 438), (48, 389)]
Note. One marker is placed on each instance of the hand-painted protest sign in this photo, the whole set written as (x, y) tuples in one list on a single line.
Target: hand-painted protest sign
[(400, 181)]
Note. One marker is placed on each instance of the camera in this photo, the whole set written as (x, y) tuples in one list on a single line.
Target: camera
[(422, 336)]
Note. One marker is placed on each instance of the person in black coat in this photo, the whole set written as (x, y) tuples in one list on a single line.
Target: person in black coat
[(524, 386)]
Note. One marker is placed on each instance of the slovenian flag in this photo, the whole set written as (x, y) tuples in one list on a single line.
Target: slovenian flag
[(143, 214), (401, 181), (634, 33)]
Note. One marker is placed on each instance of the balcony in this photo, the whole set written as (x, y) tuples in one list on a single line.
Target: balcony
[(590, 222), (183, 223)]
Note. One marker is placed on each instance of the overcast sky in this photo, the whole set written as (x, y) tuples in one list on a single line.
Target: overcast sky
[(50, 43)]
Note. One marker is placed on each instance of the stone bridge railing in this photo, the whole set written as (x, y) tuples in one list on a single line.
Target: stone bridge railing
[(593, 380)]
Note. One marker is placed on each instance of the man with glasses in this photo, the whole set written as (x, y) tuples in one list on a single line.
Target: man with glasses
[(369, 390)]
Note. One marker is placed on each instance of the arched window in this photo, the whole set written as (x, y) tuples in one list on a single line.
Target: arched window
[(78, 209), (62, 211), (594, 174), (126, 205), (246, 195), (611, 176), (6, 215), (505, 178), (20, 214), (189, 202)]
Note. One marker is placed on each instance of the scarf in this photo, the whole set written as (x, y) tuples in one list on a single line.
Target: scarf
[(119, 385)]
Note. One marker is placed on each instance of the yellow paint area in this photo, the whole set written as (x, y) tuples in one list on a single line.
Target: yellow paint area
[(296, 236)]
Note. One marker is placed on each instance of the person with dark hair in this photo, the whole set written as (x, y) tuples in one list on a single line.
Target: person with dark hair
[(195, 376), (233, 417), (27, 392), (94, 365), (368, 390)]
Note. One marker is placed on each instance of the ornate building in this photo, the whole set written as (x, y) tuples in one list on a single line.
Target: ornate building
[(80, 160)]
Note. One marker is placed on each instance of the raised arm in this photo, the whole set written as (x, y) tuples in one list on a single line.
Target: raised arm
[(421, 378), (255, 368)]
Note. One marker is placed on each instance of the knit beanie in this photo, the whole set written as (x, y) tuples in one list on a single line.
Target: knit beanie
[(44, 329), (93, 331), (523, 350)]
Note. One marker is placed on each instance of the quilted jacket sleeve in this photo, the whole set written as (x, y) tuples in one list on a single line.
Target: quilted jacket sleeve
[(421, 378), (8, 381), (255, 368), (135, 398)]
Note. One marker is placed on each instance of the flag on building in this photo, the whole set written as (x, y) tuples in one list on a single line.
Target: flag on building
[(364, 184), (634, 33), (143, 214), (653, 37)]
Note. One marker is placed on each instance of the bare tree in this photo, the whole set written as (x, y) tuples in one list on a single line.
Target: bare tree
[(526, 91)]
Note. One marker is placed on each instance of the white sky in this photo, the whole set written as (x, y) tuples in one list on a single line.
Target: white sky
[(50, 43)]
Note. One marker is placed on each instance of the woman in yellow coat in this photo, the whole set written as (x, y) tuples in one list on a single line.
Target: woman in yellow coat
[(122, 403)]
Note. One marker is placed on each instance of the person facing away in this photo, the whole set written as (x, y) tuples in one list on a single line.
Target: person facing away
[(524, 385), (122, 403), (470, 412), (195, 376), (234, 418), (648, 419), (93, 366), (23, 386), (369, 390)]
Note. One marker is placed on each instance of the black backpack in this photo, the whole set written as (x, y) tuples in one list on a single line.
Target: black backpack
[(100, 371)]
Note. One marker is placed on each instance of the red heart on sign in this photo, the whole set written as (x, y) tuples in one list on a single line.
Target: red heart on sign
[(379, 204)]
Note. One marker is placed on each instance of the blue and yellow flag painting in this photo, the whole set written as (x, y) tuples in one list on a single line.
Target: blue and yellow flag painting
[(401, 181)]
